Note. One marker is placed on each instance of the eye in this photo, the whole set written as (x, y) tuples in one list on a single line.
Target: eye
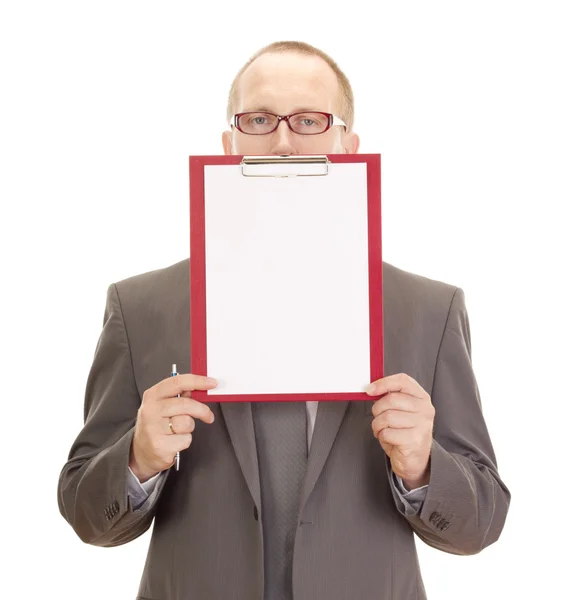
[(308, 123)]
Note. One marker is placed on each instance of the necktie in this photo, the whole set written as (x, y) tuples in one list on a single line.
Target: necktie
[(281, 441)]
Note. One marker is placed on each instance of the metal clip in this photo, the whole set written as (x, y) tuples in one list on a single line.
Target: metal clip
[(285, 166)]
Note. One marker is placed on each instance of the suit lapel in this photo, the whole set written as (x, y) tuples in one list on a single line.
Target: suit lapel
[(238, 419), (329, 418)]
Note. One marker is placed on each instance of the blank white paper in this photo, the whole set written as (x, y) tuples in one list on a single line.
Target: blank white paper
[(287, 281)]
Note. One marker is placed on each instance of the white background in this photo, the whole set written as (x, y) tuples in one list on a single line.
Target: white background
[(101, 104)]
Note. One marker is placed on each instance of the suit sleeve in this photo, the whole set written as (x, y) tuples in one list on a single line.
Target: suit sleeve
[(93, 484), (466, 503)]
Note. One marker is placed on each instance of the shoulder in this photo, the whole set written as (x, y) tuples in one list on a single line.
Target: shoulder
[(152, 286), (418, 295), (412, 281)]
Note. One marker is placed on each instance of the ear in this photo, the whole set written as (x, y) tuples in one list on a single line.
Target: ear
[(350, 143), (227, 142)]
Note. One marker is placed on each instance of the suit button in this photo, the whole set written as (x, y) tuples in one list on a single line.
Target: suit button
[(445, 526), (435, 516), (256, 513)]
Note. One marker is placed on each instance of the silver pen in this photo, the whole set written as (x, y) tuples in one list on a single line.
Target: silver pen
[(173, 374)]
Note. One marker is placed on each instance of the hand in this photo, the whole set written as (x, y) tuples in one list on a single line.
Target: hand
[(403, 425), (154, 446)]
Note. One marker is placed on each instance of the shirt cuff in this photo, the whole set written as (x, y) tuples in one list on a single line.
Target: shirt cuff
[(412, 500), (409, 493), (139, 492)]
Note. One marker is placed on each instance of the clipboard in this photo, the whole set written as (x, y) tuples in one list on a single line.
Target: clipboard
[(286, 276)]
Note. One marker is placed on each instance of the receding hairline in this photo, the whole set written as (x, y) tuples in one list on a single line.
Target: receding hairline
[(346, 99)]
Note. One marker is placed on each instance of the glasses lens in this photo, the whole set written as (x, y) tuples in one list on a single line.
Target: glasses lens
[(309, 123), (257, 122)]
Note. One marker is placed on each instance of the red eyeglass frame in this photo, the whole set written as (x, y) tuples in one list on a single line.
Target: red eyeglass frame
[(330, 121)]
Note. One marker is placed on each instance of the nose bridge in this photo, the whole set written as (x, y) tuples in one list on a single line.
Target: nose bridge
[(283, 130)]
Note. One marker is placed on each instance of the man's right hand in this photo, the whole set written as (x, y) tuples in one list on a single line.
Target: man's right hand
[(154, 446)]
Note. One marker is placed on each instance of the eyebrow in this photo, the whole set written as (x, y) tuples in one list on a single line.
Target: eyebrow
[(269, 110)]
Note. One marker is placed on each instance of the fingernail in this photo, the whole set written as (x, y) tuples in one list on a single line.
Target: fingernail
[(211, 381), (370, 390)]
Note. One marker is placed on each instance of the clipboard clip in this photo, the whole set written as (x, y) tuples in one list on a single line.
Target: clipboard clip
[(285, 165)]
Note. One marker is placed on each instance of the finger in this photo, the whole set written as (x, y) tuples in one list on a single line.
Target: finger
[(397, 437), (171, 386), (181, 424), (176, 443), (401, 382), (394, 419), (395, 401), (185, 406)]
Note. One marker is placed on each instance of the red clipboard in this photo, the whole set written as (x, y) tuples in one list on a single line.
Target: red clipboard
[(198, 283)]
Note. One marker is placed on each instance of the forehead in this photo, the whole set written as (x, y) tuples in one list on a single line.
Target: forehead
[(288, 81)]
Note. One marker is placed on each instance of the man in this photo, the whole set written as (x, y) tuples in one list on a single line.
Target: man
[(251, 514)]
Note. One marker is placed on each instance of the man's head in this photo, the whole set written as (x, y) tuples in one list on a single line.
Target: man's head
[(286, 78)]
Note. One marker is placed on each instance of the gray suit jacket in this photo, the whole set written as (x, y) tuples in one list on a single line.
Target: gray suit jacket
[(354, 539)]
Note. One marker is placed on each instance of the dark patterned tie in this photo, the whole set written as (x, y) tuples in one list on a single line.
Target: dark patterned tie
[(281, 441)]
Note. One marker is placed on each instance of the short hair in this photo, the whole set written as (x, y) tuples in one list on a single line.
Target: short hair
[(346, 101)]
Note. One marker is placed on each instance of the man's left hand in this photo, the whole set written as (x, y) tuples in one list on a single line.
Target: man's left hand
[(403, 424)]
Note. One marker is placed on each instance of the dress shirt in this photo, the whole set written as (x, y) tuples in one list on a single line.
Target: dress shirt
[(412, 500)]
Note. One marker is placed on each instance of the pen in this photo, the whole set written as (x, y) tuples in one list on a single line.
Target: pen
[(173, 374)]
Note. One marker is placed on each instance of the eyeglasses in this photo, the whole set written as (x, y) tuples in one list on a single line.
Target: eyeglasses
[(304, 123)]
